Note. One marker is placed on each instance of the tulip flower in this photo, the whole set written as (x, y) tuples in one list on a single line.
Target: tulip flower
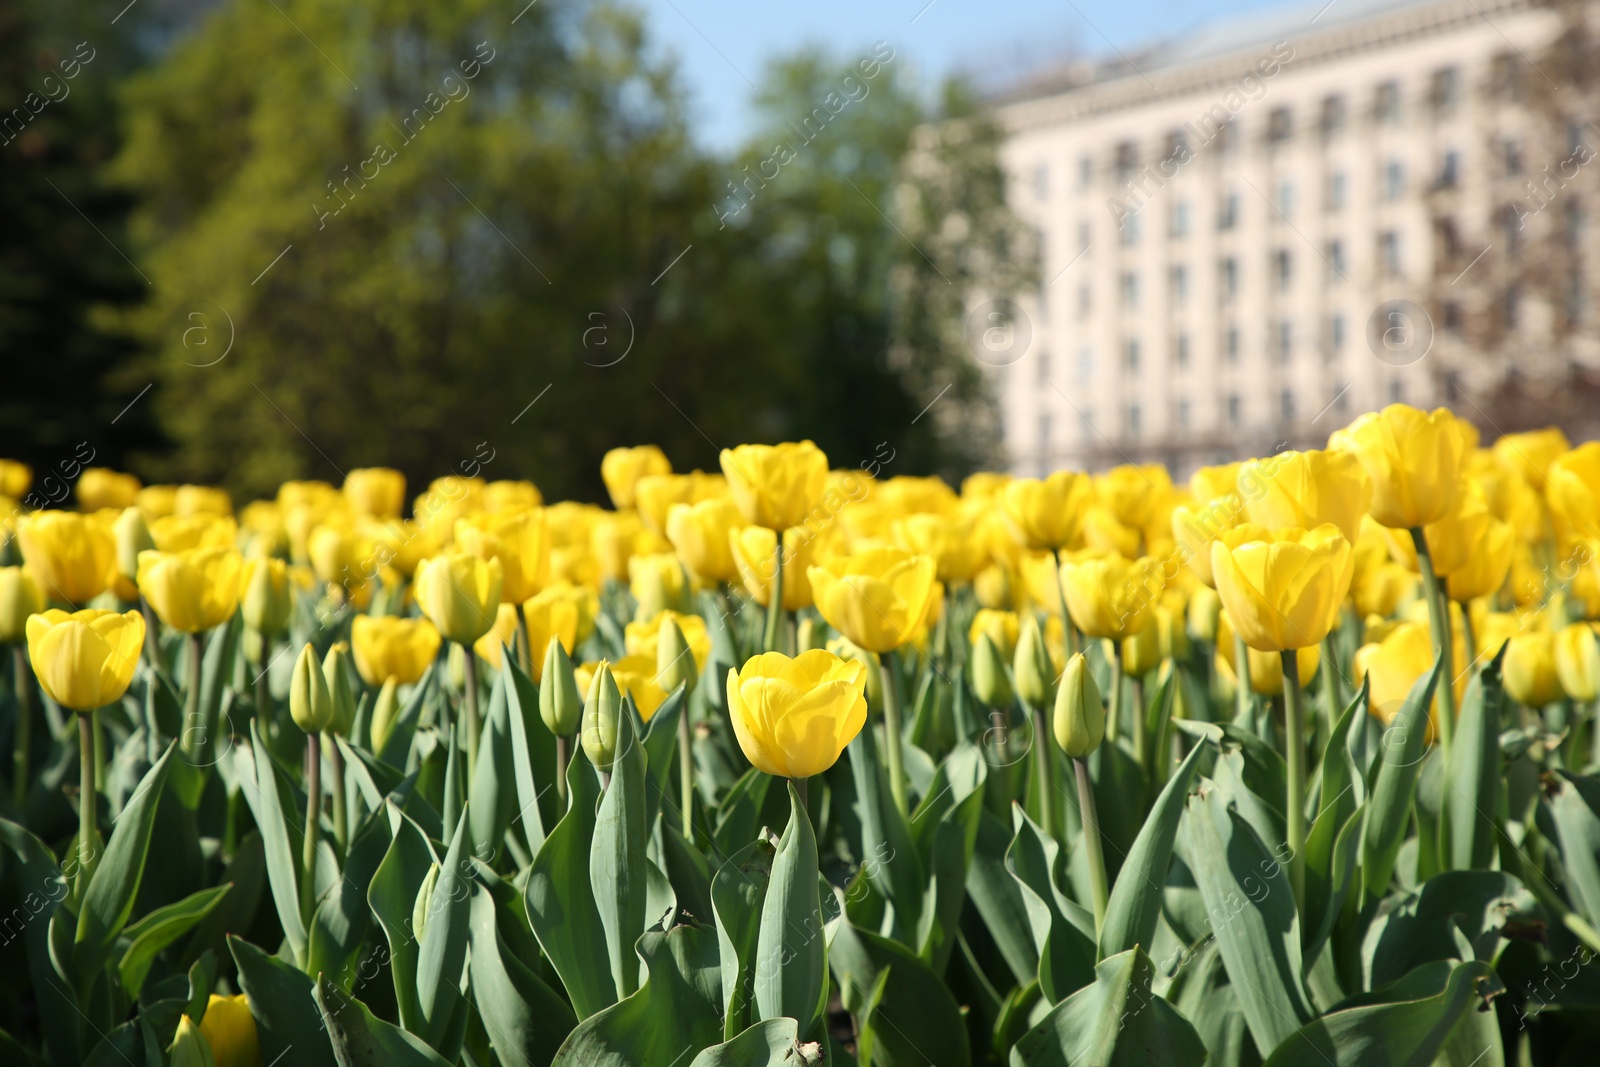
[(376, 491), (101, 487), (1131, 493), (1577, 648), (267, 600), (776, 486), (1002, 627), (793, 717), (1306, 489), (753, 550), (1047, 513), (19, 598), (1414, 460), (459, 593), (15, 478), (1079, 724), (1282, 588), (1531, 455), (1572, 488), (519, 540), (502, 635), (72, 556), (230, 1030), (601, 707), (877, 598), (991, 682), (1486, 567), (194, 590), (951, 539), (201, 500), (621, 469), (388, 648), (1530, 670), (644, 638), (1263, 671), (1392, 666), (699, 533), (658, 584)]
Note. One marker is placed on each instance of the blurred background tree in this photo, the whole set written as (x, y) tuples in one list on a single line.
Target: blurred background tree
[(360, 255)]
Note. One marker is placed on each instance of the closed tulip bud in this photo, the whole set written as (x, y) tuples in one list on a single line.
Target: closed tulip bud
[(1578, 661), (990, 681), (310, 704), (1530, 669), (601, 707), (560, 705), (1034, 678), (384, 711), (1174, 637), (675, 664), (19, 598), (133, 537), (1141, 651), (421, 906), (336, 672), (230, 1030), (1080, 717), (268, 599), (1205, 607), (811, 634), (189, 1047)]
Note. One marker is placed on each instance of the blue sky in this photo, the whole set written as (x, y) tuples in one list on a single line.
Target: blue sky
[(722, 46)]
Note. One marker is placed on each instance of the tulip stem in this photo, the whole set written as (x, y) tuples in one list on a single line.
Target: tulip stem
[(801, 790), (194, 731), (1141, 727), (1114, 712), (473, 725), (891, 729), (87, 799), (1091, 841), (1241, 671), (341, 834), (152, 643), (1439, 617), (686, 770), (1294, 743), (23, 683), (1042, 761), (1069, 635), (561, 769), (308, 857), (773, 633), (99, 750), (524, 642), (1334, 697)]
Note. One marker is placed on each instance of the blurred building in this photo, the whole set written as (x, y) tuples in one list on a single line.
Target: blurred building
[(1254, 233)]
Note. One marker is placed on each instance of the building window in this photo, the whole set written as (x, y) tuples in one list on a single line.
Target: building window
[(1083, 300), (1331, 120), (1180, 219), (1389, 252), (1572, 223), (1394, 180), (1279, 125), (1133, 420), (1233, 410), (1041, 181), (1127, 160), (1130, 291), (1443, 89), (1335, 256), (1228, 280), (1511, 156), (1386, 103), (1285, 341), (1450, 170), (1043, 366), (1085, 171), (1335, 334), (1286, 405), (1131, 356), (1228, 212), (1286, 198), (1510, 219), (1334, 198), (1452, 317), (1083, 235), (1509, 305), (1183, 415), (1085, 364), (1044, 435), (1231, 344), (1282, 268), (1577, 298), (1180, 350), (1397, 391), (1128, 229), (1505, 77), (1178, 282)]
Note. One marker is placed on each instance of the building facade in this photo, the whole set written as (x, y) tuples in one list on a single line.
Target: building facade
[(1239, 233)]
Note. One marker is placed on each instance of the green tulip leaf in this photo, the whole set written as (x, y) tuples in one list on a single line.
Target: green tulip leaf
[(1394, 786), (916, 1020), (894, 866), (525, 1019), (281, 1001), (396, 751), (361, 1039), (270, 798), (491, 794), (1472, 786), (790, 961), (343, 917), (1063, 932), (661, 761), (945, 829), (737, 894), (533, 757), (999, 899), (43, 887), (769, 1043), (154, 932), (392, 896), (616, 862), (1574, 806), (1423, 927)]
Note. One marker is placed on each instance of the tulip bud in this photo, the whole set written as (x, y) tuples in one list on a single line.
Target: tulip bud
[(189, 1047), (420, 907), (1205, 607), (649, 588), (1141, 651), (560, 706), (675, 664), (1578, 661), (845, 648), (1031, 670), (990, 681), (384, 711), (600, 711), (267, 600), (19, 598), (455, 665), (133, 537), (310, 705), (1174, 638), (810, 634), (992, 587), (336, 673), (1080, 718), (230, 1030)]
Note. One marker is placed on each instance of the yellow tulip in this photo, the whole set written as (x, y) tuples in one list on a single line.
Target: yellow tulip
[(71, 555), (585, 605), (1454, 541), (1382, 589), (1110, 596), (621, 469), (101, 487), (1079, 721), (19, 598), (1404, 652), (201, 500), (1194, 527), (1131, 493), (1104, 533), (230, 1030), (878, 598), (1414, 460), (266, 600), (550, 616), (447, 499), (1530, 454), (776, 486), (1266, 668), (1306, 489), (1530, 669), (503, 633), (634, 675), (699, 534), (1213, 483), (992, 587), (643, 638), (158, 501), (1486, 567), (1282, 588), (376, 491), (179, 533), (1048, 513), (754, 552), (984, 486), (192, 591), (1141, 650), (907, 494), (657, 583), (793, 717), (613, 539), (459, 593), (386, 647), (15, 478), (1002, 628), (656, 495), (85, 660), (1203, 613), (951, 539), (1578, 661), (1572, 488), (518, 540), (511, 496)]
